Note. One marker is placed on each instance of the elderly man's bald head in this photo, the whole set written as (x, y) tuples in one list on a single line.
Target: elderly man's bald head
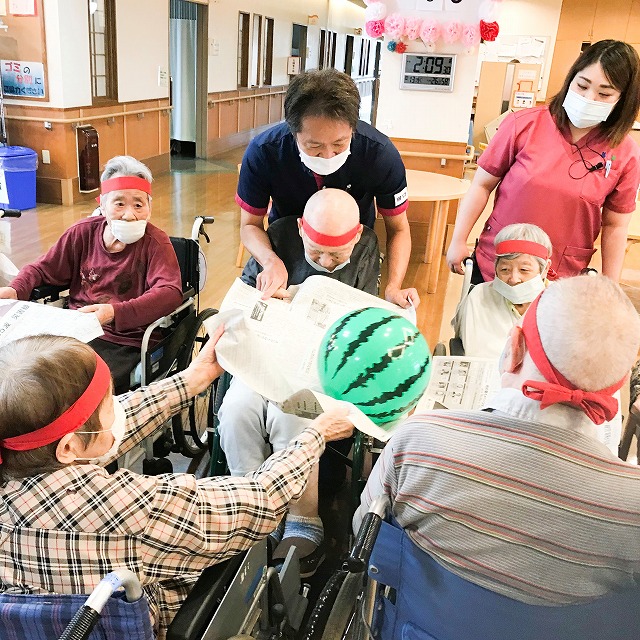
[(330, 228), (589, 330), (332, 212)]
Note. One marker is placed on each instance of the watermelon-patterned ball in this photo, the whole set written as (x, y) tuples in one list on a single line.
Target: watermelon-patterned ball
[(376, 360)]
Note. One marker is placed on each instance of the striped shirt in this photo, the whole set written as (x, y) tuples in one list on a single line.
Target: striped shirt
[(538, 511), (61, 532)]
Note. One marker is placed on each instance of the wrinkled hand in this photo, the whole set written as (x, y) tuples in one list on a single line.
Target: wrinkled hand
[(334, 424), (8, 293), (456, 255), (205, 368), (104, 312), (401, 297), (274, 276)]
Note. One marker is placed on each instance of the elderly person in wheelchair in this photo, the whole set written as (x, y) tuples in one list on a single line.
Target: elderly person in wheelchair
[(328, 240), (118, 266), (521, 498), (66, 522), (488, 311)]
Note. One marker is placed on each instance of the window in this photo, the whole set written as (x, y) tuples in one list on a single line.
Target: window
[(256, 51), (299, 44), (102, 50), (365, 47), (348, 55), (243, 49), (267, 75), (327, 56)]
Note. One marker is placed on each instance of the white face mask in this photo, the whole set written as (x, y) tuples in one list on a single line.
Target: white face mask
[(117, 431), (520, 293), (321, 269), (324, 166), (128, 232), (585, 113)]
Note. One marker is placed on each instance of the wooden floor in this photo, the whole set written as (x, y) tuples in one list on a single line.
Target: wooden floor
[(207, 187)]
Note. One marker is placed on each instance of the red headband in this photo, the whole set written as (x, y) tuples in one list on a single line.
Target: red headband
[(75, 416), (329, 241), (598, 405), (125, 182), (522, 246)]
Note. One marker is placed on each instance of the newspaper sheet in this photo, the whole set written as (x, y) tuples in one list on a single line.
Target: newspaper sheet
[(272, 345), (460, 383), (20, 319)]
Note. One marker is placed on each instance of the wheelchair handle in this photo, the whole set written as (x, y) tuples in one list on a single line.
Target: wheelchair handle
[(10, 213), (88, 615), (367, 533)]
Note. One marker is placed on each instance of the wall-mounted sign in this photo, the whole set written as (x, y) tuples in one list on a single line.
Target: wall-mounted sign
[(430, 72), (293, 65), (22, 7), (22, 79)]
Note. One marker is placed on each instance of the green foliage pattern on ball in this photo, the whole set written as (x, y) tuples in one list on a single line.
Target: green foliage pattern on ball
[(377, 360)]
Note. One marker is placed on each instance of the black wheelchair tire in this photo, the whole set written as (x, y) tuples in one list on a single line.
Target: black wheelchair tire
[(344, 620), (192, 427)]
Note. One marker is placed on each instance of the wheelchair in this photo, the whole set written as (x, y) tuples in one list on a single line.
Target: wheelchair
[(181, 336), (391, 589), (241, 596)]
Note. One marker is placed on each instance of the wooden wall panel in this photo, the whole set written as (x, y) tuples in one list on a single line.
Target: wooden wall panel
[(111, 140), (246, 107), (611, 20), (576, 20), (633, 27), (564, 55), (164, 140), (228, 118), (213, 121), (141, 133), (261, 111)]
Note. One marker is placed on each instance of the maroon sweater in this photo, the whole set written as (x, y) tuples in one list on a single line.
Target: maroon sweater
[(142, 281)]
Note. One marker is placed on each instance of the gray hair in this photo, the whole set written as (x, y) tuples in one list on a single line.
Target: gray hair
[(523, 231), (126, 166), (592, 349)]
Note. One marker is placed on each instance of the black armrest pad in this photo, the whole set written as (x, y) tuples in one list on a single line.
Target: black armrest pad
[(205, 597)]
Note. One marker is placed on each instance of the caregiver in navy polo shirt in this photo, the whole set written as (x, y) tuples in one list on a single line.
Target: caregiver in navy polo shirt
[(569, 167), (322, 143)]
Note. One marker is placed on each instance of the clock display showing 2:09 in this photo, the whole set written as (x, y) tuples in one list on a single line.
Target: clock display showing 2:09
[(431, 65)]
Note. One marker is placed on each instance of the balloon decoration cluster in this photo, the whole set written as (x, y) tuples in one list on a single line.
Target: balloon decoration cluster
[(400, 29)]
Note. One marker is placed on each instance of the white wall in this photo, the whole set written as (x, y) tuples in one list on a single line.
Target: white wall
[(426, 115), (142, 33), (533, 18), (337, 15)]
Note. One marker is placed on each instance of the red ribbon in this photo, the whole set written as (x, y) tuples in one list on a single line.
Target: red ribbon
[(329, 241), (522, 246), (73, 418), (125, 182), (598, 405)]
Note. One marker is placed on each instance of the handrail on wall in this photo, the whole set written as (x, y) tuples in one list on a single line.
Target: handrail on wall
[(467, 156), (77, 121), (244, 97)]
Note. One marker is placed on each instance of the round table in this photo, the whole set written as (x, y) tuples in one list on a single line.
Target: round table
[(424, 186)]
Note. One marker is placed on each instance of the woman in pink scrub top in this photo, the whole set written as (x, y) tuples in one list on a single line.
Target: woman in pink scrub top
[(569, 167)]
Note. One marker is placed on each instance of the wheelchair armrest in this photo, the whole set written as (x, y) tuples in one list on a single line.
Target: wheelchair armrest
[(203, 600), (51, 291)]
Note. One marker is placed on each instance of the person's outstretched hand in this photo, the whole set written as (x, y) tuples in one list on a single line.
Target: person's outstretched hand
[(205, 368), (456, 255), (273, 277)]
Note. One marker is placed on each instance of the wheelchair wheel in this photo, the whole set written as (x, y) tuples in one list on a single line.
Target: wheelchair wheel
[(334, 616), (192, 427)]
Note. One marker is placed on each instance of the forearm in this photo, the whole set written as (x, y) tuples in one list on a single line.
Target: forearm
[(256, 240), (147, 308), (149, 407), (470, 209), (613, 246), (398, 254)]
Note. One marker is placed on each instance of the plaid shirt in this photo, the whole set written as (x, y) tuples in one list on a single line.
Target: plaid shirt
[(61, 532)]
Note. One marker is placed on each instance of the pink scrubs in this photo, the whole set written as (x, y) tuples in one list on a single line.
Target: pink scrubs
[(545, 182)]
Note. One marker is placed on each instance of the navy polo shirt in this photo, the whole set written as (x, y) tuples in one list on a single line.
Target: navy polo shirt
[(272, 170)]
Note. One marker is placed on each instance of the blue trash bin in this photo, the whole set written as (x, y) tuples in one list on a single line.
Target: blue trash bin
[(19, 166)]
